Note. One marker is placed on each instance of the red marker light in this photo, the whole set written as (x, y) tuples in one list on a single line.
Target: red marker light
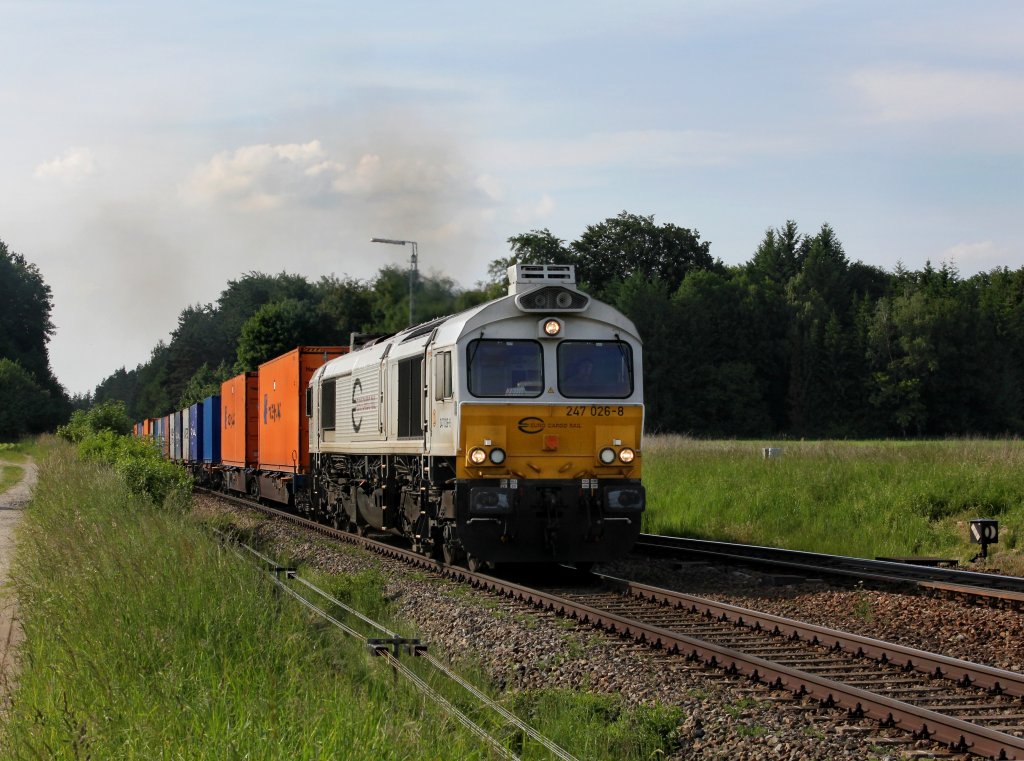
[(550, 443)]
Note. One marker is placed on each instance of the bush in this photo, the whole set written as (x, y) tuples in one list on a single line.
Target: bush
[(102, 436), (111, 415), (140, 466)]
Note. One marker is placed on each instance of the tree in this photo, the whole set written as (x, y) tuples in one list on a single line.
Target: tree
[(534, 247), (25, 332), (204, 383), (611, 251), (25, 326), (25, 404), (779, 256), (274, 329), (345, 307), (713, 376), (243, 297)]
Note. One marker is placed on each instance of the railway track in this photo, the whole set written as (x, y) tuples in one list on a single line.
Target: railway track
[(994, 588), (966, 707)]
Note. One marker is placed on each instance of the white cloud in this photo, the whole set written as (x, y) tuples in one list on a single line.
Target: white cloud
[(261, 177), (73, 165), (918, 94), (980, 256)]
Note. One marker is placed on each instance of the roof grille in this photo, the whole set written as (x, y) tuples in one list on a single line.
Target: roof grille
[(521, 276)]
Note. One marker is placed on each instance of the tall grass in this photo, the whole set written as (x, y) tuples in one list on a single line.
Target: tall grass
[(146, 640), (855, 498)]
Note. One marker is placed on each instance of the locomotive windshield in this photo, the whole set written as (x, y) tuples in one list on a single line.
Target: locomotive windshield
[(602, 369), (505, 368)]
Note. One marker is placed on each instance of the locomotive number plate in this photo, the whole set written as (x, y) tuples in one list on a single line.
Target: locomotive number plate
[(595, 410)]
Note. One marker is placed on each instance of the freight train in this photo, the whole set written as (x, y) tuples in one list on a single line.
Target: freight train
[(507, 433)]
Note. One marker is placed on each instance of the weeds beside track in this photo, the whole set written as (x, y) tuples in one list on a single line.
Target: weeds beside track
[(145, 639)]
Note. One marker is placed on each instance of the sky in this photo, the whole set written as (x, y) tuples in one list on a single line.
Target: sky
[(151, 152)]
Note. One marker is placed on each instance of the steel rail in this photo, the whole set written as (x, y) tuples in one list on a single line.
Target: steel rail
[(957, 734), (965, 673), (973, 583)]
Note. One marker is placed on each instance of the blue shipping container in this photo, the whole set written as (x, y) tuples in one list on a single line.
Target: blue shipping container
[(211, 429), (195, 432)]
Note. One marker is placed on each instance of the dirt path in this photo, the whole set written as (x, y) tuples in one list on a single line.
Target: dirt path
[(12, 502)]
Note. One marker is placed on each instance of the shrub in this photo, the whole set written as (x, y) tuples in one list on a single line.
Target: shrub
[(140, 466), (111, 415)]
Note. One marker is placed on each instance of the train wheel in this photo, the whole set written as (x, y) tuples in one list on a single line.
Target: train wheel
[(449, 554), (475, 564)]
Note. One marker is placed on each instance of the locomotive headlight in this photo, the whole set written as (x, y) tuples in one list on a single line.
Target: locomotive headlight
[(477, 456), (607, 455), (552, 327), (497, 455), (627, 455)]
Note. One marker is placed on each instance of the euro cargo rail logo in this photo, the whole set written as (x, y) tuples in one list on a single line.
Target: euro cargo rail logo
[(531, 425)]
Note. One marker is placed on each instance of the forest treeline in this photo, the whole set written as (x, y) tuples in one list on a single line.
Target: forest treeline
[(797, 341), (801, 341)]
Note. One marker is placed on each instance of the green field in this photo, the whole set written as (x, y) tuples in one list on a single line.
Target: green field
[(855, 498)]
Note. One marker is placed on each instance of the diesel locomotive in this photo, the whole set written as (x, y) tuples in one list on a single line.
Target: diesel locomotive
[(511, 432)]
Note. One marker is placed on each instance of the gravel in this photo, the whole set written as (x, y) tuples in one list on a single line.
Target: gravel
[(522, 648)]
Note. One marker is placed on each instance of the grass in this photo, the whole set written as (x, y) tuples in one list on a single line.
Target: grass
[(9, 476), (147, 639), (144, 639), (590, 726), (19, 451), (875, 498)]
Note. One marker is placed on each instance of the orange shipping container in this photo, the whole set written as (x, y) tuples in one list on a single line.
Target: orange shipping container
[(283, 425), (238, 420)]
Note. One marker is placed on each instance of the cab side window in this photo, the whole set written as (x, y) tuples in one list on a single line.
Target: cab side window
[(442, 375)]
